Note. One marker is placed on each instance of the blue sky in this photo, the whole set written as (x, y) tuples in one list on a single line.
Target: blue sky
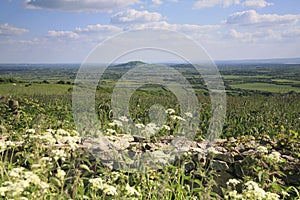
[(67, 30)]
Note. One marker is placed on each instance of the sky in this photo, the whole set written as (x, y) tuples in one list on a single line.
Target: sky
[(66, 31)]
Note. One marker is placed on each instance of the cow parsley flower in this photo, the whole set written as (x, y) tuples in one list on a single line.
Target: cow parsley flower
[(139, 125), (131, 191), (233, 181), (170, 111), (275, 157), (59, 154), (60, 174), (262, 149), (175, 117)]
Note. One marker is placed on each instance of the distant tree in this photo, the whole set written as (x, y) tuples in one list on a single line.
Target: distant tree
[(61, 82)]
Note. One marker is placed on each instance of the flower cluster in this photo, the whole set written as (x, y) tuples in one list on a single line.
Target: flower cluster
[(19, 181), (274, 157), (97, 183), (251, 191)]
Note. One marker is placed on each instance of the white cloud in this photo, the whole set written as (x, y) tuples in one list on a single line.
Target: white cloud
[(134, 16), (98, 28), (80, 5), (292, 33), (251, 17), (63, 34), (157, 2), (253, 37), (8, 30), (184, 28), (213, 3), (256, 3)]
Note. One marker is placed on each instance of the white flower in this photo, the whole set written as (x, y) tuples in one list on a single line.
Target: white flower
[(3, 190), (2, 145), (170, 111), (150, 129), (60, 174), (262, 149), (32, 178), (233, 181), (166, 127), (16, 172), (97, 183), (131, 191), (32, 131), (109, 190), (110, 131), (50, 131), (116, 122), (139, 125), (59, 154), (123, 119), (275, 157), (271, 196), (189, 114), (10, 143), (175, 117), (62, 132)]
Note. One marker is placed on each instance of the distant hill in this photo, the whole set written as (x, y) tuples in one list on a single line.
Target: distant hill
[(261, 61)]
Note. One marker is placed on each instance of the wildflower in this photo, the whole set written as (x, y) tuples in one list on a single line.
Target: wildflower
[(3, 190), (50, 131), (32, 178), (131, 191), (150, 129), (48, 137), (139, 125), (110, 131), (62, 132), (262, 149), (116, 123), (10, 144), (16, 172), (2, 146), (189, 114), (109, 190), (170, 111), (166, 127), (59, 154), (97, 183), (271, 196), (175, 117), (32, 131), (275, 157), (234, 195), (60, 174), (233, 181), (123, 119)]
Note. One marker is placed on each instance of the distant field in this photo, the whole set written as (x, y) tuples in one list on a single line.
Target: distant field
[(266, 87), (35, 88)]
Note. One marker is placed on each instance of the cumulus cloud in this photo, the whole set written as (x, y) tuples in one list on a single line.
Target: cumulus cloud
[(80, 5), (89, 33), (8, 30), (63, 34), (191, 28), (98, 28), (213, 3), (157, 2), (251, 17), (256, 3), (134, 16)]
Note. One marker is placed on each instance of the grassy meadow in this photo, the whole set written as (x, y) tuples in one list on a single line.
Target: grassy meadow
[(42, 156)]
